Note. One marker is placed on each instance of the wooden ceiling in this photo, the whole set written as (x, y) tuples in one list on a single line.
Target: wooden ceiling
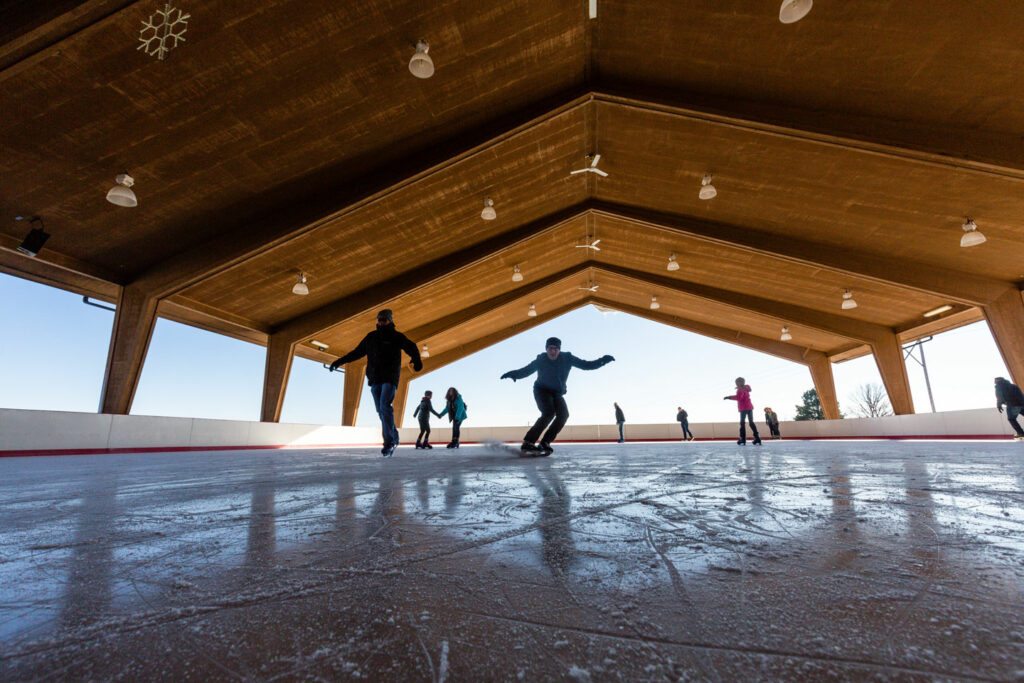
[(288, 136)]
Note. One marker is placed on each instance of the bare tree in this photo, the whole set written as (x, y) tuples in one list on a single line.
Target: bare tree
[(870, 400)]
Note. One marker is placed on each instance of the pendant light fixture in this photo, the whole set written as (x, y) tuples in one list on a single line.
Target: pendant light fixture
[(793, 11), (848, 301), (672, 263), (516, 275), (707, 190), (300, 287), (532, 312), (786, 336), (972, 236), (488, 214), (122, 194), (654, 303), (421, 65), (425, 353)]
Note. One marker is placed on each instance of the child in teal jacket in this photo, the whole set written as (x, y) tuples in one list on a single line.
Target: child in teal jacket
[(455, 409)]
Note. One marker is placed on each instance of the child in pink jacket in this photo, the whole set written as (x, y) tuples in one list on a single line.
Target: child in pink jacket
[(746, 408)]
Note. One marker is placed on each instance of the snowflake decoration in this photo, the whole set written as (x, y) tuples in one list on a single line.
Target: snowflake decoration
[(162, 32)]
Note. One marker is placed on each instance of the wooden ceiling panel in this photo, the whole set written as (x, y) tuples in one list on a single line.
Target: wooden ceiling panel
[(263, 104), (527, 176), (821, 192), (643, 248), (625, 290)]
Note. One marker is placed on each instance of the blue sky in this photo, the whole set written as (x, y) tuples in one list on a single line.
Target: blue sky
[(193, 373)]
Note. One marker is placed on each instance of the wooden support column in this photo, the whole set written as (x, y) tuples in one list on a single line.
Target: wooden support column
[(1005, 318), (821, 374), (355, 376), (889, 358), (401, 397), (280, 352), (129, 341)]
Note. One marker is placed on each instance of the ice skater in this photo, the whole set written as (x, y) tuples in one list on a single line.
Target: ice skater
[(1010, 394), (455, 409), (683, 419), (746, 408), (771, 418), (383, 350), (620, 420), (423, 411), (552, 368)]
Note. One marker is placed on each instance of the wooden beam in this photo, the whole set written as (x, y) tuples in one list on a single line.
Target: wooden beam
[(280, 352), (402, 396), (355, 376), (779, 349), (824, 383), (58, 270), (786, 313), (129, 341), (888, 354), (1005, 318), (442, 325), (379, 294), (954, 285)]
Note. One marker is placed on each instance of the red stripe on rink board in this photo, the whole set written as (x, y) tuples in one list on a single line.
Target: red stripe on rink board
[(185, 449)]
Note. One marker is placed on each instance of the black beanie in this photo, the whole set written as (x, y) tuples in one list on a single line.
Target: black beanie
[(554, 341)]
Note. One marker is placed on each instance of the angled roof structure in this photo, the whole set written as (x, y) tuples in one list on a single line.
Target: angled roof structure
[(289, 137)]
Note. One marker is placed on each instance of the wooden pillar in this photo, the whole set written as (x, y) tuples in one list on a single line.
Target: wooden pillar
[(280, 352), (821, 374), (889, 357), (129, 341), (355, 374), (401, 398), (1005, 318)]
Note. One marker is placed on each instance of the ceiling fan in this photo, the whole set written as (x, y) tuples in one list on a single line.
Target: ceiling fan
[(592, 168), (587, 244), (591, 287)]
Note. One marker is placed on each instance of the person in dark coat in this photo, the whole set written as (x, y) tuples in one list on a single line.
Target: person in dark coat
[(383, 350), (1010, 395), (620, 420), (683, 419), (771, 418), (552, 368), (423, 410)]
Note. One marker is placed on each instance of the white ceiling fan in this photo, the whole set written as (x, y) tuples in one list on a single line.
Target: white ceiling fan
[(591, 287), (592, 168), (587, 244)]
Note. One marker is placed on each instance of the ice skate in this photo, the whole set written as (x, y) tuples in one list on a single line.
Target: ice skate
[(389, 450), (545, 449), (757, 441), (530, 450), (741, 442)]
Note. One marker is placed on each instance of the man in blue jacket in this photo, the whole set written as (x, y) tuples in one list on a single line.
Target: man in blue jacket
[(383, 350), (552, 368)]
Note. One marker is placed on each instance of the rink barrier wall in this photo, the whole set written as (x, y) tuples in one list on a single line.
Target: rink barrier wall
[(37, 432)]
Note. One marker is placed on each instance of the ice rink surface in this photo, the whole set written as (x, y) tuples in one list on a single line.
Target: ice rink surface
[(805, 561)]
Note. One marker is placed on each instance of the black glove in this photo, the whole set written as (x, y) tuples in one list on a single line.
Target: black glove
[(607, 358), (726, 398), (417, 365), (335, 365), (1000, 408), (508, 375)]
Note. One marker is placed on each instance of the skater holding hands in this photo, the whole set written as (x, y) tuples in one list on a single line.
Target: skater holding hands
[(746, 408)]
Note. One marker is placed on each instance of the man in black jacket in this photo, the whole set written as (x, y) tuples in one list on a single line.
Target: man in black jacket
[(552, 368), (620, 419), (383, 350), (1010, 394)]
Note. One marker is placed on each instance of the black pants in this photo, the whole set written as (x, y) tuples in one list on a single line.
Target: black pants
[(1012, 412), (551, 405), (424, 436), (686, 428), (455, 430), (773, 427), (749, 415)]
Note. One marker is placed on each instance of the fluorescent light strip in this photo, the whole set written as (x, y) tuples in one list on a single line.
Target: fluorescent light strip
[(936, 311)]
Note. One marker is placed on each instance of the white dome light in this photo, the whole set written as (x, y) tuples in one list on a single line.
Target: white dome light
[(972, 237), (421, 65), (532, 312), (122, 194), (707, 190), (426, 352), (793, 11), (488, 214), (672, 263), (848, 301), (300, 287), (654, 303), (786, 336), (516, 275)]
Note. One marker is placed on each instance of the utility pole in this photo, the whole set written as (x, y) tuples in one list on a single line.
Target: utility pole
[(919, 345)]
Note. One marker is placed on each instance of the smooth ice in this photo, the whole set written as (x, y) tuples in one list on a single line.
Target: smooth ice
[(807, 561)]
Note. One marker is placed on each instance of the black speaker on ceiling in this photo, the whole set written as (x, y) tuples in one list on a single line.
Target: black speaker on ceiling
[(37, 237)]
